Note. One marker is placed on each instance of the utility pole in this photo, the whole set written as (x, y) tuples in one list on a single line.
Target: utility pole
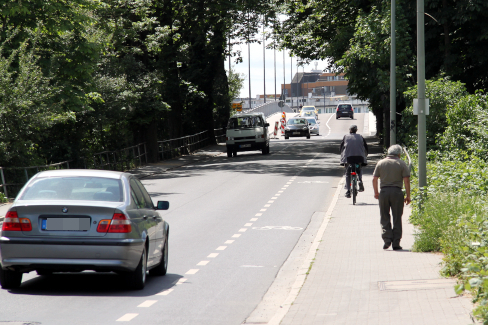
[(421, 95), (291, 80), (274, 50), (284, 96), (264, 61), (393, 75)]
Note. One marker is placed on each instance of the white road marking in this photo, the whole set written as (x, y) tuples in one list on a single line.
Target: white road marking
[(286, 185), (192, 271), (270, 201), (251, 266), (248, 225), (283, 188), (262, 210), (127, 317), (242, 230), (267, 205), (254, 219), (327, 124), (213, 255), (202, 263), (258, 214), (274, 197), (229, 241), (236, 235), (165, 292), (180, 281), (221, 248), (148, 303), (279, 192)]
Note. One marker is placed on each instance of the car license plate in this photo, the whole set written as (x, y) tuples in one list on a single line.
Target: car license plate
[(66, 224), (245, 146), (296, 132)]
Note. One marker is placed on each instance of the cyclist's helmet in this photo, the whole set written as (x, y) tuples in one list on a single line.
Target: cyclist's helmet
[(353, 128)]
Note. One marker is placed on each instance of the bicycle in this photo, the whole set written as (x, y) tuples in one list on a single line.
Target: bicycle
[(354, 164)]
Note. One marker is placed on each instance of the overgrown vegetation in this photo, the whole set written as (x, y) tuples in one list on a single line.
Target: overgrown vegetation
[(451, 214)]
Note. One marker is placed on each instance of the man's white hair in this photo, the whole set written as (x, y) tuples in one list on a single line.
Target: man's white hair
[(395, 150)]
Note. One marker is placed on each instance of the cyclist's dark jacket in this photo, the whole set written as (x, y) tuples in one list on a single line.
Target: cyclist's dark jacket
[(353, 145)]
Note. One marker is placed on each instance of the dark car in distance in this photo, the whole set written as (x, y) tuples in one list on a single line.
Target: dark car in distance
[(297, 127), (345, 110)]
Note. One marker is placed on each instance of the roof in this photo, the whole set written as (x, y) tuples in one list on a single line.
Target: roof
[(80, 173)]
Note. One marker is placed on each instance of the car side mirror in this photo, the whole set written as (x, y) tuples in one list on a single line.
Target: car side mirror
[(162, 205), (266, 125)]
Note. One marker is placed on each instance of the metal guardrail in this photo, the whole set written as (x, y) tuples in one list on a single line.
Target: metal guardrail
[(220, 135), (172, 148), (121, 160)]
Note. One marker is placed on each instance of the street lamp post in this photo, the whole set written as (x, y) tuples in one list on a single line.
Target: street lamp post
[(264, 62), (422, 150), (393, 76)]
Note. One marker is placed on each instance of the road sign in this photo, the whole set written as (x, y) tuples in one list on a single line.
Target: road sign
[(237, 106), (281, 104)]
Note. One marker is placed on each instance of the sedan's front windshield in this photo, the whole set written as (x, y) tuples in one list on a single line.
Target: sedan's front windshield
[(243, 122), (308, 108), (74, 188), (297, 121), (312, 121)]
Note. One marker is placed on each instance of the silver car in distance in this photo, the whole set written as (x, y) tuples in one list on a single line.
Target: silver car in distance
[(75, 220)]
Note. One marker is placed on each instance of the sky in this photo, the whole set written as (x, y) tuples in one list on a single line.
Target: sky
[(257, 73)]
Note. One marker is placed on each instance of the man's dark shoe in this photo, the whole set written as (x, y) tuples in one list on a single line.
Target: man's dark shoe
[(397, 248), (386, 245), (361, 187), (348, 194)]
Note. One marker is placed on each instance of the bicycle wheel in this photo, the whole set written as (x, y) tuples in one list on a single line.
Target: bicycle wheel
[(354, 190)]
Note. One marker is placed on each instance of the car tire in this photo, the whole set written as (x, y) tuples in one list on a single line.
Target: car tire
[(286, 138), (229, 153), (308, 136), (234, 153), (162, 268), (137, 279), (352, 117), (10, 279), (337, 117)]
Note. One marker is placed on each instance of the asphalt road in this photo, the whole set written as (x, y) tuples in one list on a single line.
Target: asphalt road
[(233, 224)]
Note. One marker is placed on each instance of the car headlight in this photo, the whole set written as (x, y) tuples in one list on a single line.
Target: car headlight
[(304, 128), (287, 128), (230, 138)]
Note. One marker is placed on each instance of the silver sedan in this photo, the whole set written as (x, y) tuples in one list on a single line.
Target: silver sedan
[(76, 220), (313, 125)]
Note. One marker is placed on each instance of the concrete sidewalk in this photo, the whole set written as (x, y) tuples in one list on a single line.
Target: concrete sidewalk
[(354, 281)]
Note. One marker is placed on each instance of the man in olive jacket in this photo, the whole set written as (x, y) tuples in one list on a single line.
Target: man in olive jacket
[(392, 172)]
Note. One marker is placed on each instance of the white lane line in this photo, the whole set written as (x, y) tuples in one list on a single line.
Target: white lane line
[(274, 197), (254, 219), (127, 317), (221, 248), (279, 192), (180, 281), (288, 183), (229, 241), (262, 210), (192, 271), (327, 124), (271, 201), (286, 186), (148, 303), (203, 263), (283, 188), (236, 235), (242, 230), (267, 205), (258, 214), (164, 292), (248, 225), (213, 255)]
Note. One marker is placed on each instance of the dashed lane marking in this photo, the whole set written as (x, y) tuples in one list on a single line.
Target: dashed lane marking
[(258, 214), (164, 292), (270, 201), (254, 219), (148, 303), (242, 230), (221, 248), (236, 235), (248, 225), (192, 271), (230, 241), (127, 317), (202, 263), (274, 197), (267, 205), (180, 281), (213, 255)]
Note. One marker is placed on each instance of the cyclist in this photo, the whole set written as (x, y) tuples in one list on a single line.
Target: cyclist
[(353, 145)]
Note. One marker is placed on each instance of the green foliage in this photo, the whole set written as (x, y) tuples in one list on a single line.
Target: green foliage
[(3, 199), (443, 94)]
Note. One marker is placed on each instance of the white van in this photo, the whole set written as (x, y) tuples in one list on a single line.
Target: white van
[(246, 132)]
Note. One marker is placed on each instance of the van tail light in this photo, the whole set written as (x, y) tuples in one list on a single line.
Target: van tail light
[(353, 173), (337, 110), (12, 222), (118, 224)]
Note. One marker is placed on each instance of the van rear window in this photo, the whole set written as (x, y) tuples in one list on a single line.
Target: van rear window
[(243, 122)]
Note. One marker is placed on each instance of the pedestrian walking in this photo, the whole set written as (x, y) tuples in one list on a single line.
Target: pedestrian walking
[(393, 173), (355, 149)]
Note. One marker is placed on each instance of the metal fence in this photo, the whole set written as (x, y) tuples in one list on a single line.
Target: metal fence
[(13, 178)]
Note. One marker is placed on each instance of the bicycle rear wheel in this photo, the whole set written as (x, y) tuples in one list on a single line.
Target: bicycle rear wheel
[(354, 190)]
